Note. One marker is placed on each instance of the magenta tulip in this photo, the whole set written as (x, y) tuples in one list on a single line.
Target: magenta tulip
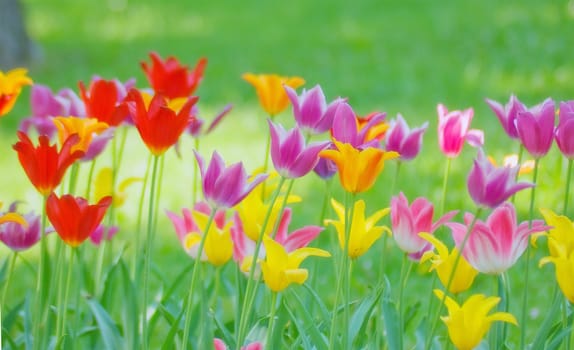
[(224, 187), (401, 139), (346, 127), (507, 114), (564, 133), (490, 186), (19, 237), (536, 128), (495, 245), (310, 109), (291, 157)]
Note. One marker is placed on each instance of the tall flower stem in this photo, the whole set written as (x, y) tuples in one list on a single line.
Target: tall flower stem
[(61, 325), (527, 253), (343, 281), (451, 277), (282, 207), (147, 251), (385, 242), (520, 155), (266, 162), (90, 177), (406, 268), (137, 250), (195, 179), (271, 321), (251, 282), (8, 278), (445, 185), (41, 290), (567, 193), (503, 292), (194, 276)]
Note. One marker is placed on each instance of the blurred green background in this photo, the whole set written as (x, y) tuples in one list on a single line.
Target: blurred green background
[(397, 56)]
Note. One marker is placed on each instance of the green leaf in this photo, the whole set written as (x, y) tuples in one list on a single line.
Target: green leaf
[(130, 313), (545, 328), (175, 327), (108, 329), (363, 312), (282, 319), (391, 317), (305, 323)]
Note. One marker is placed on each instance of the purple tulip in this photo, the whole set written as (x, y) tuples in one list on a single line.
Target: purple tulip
[(310, 109), (401, 139), (98, 144), (507, 114), (224, 187), (18, 237), (490, 186), (346, 127), (291, 158), (326, 168), (564, 133), (536, 128), (103, 232)]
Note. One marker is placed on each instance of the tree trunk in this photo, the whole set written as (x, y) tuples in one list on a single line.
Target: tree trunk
[(16, 48)]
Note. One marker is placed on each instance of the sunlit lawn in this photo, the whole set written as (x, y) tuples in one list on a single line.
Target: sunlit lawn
[(393, 56)]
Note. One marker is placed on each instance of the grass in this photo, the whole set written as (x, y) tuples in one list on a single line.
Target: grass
[(395, 56)]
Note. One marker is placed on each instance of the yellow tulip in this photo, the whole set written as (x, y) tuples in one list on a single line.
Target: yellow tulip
[(468, 324), (363, 231), (561, 233), (218, 246), (269, 88), (84, 127), (103, 187), (280, 268), (563, 260), (11, 84), (443, 262), (358, 169)]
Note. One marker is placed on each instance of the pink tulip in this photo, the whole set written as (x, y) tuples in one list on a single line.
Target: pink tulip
[(507, 114), (536, 128), (454, 130), (103, 232), (495, 245), (401, 139), (490, 186), (218, 344), (18, 237), (291, 157), (564, 133), (224, 187), (408, 221)]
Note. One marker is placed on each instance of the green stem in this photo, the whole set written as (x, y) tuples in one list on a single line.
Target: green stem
[(451, 277), (567, 194), (137, 244), (39, 303), (527, 253), (445, 185), (196, 179), (64, 305), (8, 279), (406, 268), (251, 288), (120, 152), (325, 205), (90, 176), (194, 276), (395, 178), (74, 171), (520, 155), (147, 252), (282, 208), (59, 302), (271, 321)]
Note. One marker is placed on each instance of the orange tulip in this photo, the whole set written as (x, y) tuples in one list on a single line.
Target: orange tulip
[(358, 169), (10, 87), (269, 87)]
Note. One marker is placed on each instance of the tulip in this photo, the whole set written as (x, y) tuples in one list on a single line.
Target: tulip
[(103, 233), (358, 169), (564, 133), (73, 218), (563, 260), (454, 130), (85, 128), (468, 323), (494, 246), (11, 84), (312, 114), (348, 129), (401, 139), (443, 262), (291, 157), (172, 79), (374, 127), (490, 186), (561, 231), (224, 187), (507, 114), (218, 344), (271, 92), (280, 269), (408, 221), (158, 125), (19, 232), (536, 128), (104, 100), (363, 231), (44, 165)]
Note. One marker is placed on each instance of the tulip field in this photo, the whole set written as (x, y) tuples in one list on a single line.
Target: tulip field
[(384, 176)]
